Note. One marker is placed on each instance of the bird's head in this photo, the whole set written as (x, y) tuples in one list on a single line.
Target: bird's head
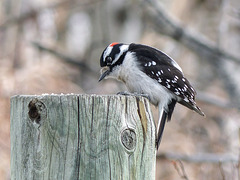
[(112, 56)]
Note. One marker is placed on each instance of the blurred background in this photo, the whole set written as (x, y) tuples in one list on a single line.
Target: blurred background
[(54, 46)]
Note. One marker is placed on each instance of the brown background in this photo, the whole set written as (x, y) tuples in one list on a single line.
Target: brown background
[(40, 38)]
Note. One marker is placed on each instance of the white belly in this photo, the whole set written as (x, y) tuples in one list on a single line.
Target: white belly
[(139, 82), (146, 85)]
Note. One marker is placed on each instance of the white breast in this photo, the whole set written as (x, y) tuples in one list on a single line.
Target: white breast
[(137, 81)]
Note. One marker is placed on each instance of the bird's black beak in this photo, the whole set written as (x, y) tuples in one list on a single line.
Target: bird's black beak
[(104, 72)]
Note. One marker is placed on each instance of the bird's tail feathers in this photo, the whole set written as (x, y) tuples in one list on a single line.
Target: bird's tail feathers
[(171, 107), (160, 127), (192, 105), (198, 110)]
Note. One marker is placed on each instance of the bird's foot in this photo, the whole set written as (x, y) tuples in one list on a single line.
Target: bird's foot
[(125, 93)]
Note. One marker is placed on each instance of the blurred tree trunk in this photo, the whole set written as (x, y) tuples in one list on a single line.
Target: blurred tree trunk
[(229, 39)]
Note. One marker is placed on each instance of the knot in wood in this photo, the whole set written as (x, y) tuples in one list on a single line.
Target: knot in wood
[(128, 138), (36, 110)]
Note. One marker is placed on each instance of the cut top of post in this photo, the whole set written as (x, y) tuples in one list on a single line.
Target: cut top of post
[(82, 137)]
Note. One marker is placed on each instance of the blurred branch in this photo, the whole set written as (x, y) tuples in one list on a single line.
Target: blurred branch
[(64, 57), (200, 158), (16, 20), (202, 46), (28, 15), (181, 171), (164, 24), (238, 164), (222, 171), (34, 12), (228, 75), (209, 99)]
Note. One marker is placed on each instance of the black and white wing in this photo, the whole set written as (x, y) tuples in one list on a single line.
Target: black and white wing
[(168, 73)]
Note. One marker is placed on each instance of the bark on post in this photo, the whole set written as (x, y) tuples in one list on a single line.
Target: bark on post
[(82, 137)]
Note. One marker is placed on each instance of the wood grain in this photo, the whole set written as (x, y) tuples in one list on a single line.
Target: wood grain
[(82, 137)]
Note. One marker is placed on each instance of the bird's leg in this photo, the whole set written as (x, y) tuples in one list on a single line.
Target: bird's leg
[(125, 93)]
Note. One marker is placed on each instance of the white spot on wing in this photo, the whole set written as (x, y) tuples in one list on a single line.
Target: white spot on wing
[(186, 99), (177, 93), (153, 63)]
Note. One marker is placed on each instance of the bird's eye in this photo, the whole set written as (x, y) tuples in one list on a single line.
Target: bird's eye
[(109, 60)]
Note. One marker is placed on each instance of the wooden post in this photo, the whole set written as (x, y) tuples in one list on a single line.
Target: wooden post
[(82, 137)]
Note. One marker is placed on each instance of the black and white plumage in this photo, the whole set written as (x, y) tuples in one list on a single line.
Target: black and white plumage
[(146, 70)]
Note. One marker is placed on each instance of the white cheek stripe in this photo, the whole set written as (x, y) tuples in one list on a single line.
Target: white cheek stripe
[(107, 52), (123, 49)]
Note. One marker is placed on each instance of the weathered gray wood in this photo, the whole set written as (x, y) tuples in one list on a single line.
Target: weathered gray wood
[(82, 137)]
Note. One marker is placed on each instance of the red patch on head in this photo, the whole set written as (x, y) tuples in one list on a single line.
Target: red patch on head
[(113, 44)]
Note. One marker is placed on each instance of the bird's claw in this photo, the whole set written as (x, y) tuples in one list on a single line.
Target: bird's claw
[(125, 93)]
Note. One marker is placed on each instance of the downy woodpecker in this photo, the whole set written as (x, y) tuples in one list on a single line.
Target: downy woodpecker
[(149, 71)]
